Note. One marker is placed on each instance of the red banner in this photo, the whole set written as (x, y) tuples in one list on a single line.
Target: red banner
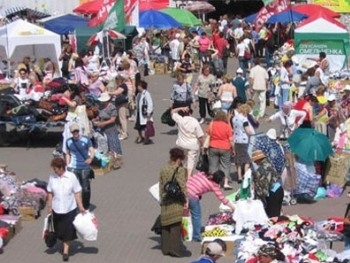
[(273, 8), (102, 13), (131, 12)]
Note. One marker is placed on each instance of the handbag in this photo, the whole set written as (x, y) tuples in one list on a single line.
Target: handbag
[(247, 55), (149, 131), (203, 163), (173, 190), (50, 237), (167, 119), (186, 226)]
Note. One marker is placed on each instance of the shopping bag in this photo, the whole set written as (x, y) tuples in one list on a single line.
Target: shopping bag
[(149, 131), (154, 191), (167, 119), (49, 234), (86, 226), (203, 163), (186, 227)]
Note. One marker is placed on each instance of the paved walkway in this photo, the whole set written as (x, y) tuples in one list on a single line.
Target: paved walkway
[(124, 207)]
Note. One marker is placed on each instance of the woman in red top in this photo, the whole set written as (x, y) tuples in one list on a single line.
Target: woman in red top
[(221, 146), (306, 104)]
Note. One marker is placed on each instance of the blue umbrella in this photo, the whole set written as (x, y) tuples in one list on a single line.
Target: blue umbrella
[(286, 16), (251, 18), (158, 20)]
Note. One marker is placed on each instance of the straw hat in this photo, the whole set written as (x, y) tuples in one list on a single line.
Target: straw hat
[(258, 155)]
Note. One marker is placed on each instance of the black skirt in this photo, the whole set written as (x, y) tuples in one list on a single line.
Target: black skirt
[(138, 126), (63, 224)]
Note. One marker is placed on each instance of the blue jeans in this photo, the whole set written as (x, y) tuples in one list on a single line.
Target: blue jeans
[(284, 96), (196, 216)]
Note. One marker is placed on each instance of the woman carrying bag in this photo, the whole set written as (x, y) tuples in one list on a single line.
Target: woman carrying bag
[(63, 199), (172, 210)]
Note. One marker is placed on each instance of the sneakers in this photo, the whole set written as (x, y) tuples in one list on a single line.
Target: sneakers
[(201, 121)]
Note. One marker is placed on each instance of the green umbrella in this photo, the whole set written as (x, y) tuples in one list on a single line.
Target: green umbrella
[(183, 16), (310, 145)]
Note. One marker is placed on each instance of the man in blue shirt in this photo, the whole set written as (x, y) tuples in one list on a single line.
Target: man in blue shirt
[(80, 154)]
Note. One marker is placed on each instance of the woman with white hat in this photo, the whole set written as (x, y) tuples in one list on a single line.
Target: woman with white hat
[(106, 121)]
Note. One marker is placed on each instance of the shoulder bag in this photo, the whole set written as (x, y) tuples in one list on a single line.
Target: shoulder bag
[(173, 190)]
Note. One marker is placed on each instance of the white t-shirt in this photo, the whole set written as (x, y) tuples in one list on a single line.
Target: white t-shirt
[(174, 49), (241, 47), (63, 189), (189, 132)]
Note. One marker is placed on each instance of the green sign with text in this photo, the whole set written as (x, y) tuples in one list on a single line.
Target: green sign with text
[(315, 47)]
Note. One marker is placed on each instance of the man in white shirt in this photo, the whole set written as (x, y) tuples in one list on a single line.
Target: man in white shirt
[(290, 119), (190, 136), (258, 80)]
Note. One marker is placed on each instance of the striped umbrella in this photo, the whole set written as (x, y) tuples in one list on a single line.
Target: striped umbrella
[(97, 38)]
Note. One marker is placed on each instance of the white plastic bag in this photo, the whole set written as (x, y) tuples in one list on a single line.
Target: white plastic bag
[(46, 225), (154, 191), (187, 227), (86, 226)]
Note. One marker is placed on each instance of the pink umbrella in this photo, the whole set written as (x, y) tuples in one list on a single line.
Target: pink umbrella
[(96, 38)]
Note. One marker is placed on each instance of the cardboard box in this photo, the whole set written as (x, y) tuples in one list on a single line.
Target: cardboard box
[(160, 68), (27, 213)]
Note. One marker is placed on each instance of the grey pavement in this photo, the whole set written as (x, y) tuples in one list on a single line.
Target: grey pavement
[(123, 206)]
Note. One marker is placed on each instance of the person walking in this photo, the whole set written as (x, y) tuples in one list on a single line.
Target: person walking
[(172, 210), (258, 80), (79, 156), (190, 136), (63, 199)]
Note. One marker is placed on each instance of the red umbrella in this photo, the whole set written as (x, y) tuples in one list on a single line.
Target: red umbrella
[(97, 38), (312, 9), (155, 4), (92, 7)]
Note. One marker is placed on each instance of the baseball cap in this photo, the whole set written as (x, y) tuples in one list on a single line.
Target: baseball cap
[(331, 97), (239, 70), (74, 127)]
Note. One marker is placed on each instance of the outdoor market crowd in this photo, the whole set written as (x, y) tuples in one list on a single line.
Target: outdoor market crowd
[(98, 100)]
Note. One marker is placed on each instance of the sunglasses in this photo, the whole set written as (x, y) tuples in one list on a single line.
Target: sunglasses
[(75, 131)]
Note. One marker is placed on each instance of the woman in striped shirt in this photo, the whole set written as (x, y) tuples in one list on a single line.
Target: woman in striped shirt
[(197, 185)]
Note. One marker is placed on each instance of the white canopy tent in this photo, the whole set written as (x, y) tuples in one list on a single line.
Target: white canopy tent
[(20, 38)]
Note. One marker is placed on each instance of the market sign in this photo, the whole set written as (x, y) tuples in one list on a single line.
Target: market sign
[(339, 6), (335, 48)]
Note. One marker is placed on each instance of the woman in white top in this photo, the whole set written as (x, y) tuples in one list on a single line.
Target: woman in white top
[(63, 199), (227, 92)]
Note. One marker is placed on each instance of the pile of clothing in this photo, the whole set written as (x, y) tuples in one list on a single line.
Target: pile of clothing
[(297, 238), (14, 195)]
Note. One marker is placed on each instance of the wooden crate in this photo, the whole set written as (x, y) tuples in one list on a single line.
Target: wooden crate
[(160, 68), (27, 213)]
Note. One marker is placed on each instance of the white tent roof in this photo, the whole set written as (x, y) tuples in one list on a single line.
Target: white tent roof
[(321, 24)]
